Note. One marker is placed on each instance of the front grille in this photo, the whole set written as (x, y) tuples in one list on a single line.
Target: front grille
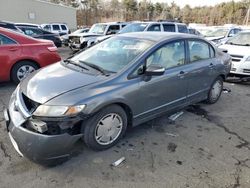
[(30, 104), (74, 39), (236, 58), (246, 70)]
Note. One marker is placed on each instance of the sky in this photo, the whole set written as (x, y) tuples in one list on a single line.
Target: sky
[(193, 3)]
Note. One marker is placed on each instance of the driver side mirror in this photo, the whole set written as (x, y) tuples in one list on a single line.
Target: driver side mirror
[(154, 70)]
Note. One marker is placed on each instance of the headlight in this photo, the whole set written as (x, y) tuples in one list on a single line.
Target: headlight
[(58, 111), (83, 39), (248, 59)]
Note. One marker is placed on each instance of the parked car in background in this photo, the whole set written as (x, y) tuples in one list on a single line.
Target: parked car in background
[(10, 25), (123, 81), (27, 25), (41, 34), (65, 38), (219, 35), (155, 26), (194, 32), (238, 47), (58, 28), (83, 40), (151, 26), (21, 55)]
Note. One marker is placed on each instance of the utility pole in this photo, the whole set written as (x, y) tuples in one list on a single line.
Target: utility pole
[(246, 19)]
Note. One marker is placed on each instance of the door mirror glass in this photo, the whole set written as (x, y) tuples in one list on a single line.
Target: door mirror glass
[(154, 70)]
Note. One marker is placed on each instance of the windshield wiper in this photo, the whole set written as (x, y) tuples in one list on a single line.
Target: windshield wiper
[(68, 61), (96, 67)]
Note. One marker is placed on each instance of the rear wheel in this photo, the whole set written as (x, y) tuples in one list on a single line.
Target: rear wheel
[(105, 128), (22, 69), (215, 91)]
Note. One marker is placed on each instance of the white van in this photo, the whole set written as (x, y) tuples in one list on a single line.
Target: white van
[(60, 28)]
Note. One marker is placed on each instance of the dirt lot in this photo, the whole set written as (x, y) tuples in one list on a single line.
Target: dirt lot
[(208, 146)]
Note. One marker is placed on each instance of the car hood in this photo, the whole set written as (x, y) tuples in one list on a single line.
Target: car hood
[(85, 35), (214, 38), (54, 80), (236, 50)]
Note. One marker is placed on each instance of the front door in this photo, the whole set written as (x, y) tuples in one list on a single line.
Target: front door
[(168, 91)]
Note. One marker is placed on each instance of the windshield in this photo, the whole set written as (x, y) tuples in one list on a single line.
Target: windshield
[(134, 27), (217, 33), (240, 39), (98, 28), (113, 54)]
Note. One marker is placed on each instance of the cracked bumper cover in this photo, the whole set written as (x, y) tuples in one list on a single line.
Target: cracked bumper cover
[(35, 146)]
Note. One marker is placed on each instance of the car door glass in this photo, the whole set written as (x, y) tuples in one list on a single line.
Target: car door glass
[(169, 27), (154, 27), (6, 41), (198, 50), (56, 27), (182, 29), (113, 29), (168, 56), (63, 27)]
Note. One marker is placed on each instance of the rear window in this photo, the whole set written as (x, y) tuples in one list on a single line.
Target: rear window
[(56, 27), (169, 27), (63, 27), (182, 29)]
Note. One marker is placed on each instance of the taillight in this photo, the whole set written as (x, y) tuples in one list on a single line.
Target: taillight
[(52, 49)]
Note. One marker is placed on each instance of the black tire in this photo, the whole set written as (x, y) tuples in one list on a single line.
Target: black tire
[(210, 98), (89, 127), (18, 65)]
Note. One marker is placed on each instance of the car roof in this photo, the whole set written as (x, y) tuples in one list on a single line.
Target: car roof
[(156, 22), (157, 36)]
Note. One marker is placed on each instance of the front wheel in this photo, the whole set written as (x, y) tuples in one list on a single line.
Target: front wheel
[(215, 91), (105, 128)]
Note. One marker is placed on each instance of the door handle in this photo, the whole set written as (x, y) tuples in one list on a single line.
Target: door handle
[(13, 49), (181, 74), (211, 65)]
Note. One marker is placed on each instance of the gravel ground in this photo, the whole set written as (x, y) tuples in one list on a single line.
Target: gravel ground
[(208, 146)]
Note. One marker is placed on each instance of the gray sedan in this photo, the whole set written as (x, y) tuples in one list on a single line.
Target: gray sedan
[(124, 81)]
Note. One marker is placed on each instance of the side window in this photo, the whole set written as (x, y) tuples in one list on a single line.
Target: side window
[(168, 56), (56, 27), (231, 33), (6, 41), (113, 29), (64, 27), (123, 25), (32, 32), (182, 29), (47, 27), (198, 50), (154, 27), (169, 27)]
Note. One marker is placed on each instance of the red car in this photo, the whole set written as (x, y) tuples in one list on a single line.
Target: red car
[(21, 55)]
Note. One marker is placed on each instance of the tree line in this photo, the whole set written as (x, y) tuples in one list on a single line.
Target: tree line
[(93, 11)]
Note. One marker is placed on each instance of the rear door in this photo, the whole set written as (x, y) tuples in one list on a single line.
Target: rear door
[(154, 27), (10, 50), (168, 91), (201, 70)]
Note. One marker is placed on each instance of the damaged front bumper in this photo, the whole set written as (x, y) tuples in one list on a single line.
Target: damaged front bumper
[(38, 147)]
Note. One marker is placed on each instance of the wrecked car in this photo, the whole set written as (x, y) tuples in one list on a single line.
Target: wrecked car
[(97, 94)]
